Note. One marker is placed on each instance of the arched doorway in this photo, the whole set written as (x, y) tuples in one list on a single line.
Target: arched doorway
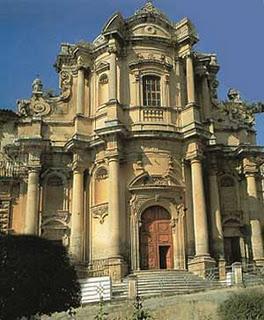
[(156, 251)]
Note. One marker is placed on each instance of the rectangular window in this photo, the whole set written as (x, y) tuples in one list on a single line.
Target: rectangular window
[(151, 91)]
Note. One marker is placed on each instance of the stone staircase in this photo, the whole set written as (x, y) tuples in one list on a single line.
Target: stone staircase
[(250, 279), (164, 282)]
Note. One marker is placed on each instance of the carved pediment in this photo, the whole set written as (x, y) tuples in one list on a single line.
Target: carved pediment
[(146, 181), (102, 67), (115, 24), (150, 30)]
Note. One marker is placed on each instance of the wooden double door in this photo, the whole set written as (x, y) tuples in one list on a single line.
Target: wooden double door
[(156, 250)]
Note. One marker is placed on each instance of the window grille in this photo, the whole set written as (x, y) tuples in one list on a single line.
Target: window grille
[(151, 91)]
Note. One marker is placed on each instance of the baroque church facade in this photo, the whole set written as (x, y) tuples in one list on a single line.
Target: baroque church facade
[(136, 165)]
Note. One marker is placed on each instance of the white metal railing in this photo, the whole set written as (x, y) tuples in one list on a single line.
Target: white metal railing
[(95, 289)]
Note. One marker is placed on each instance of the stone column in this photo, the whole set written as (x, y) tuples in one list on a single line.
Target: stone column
[(199, 208), (32, 216), (117, 266), (113, 74), (189, 212), (80, 91), (217, 231), (190, 79), (202, 259), (76, 239), (114, 207), (256, 234)]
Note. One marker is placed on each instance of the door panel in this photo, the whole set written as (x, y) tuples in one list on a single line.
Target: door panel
[(156, 239)]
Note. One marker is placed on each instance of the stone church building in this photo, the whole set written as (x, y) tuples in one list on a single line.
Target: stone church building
[(136, 164)]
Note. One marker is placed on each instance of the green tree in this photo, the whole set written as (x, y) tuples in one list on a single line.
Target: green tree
[(36, 277)]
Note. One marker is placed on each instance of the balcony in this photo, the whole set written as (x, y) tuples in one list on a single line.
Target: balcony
[(152, 118)]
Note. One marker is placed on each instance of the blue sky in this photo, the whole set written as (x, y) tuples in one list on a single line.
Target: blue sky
[(32, 30)]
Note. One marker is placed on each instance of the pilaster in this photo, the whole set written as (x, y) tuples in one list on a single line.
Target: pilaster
[(215, 211), (190, 79), (117, 265), (113, 107), (80, 91), (250, 171)]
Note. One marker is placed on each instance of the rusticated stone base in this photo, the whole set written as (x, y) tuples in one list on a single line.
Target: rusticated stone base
[(201, 264), (117, 268)]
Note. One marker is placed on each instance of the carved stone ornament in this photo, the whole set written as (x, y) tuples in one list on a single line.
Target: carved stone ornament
[(65, 84), (150, 9), (37, 106), (235, 111), (100, 212)]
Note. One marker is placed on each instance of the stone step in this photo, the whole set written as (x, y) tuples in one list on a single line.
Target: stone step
[(165, 282)]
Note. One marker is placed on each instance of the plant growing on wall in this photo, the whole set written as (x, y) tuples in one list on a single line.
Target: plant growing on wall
[(139, 313)]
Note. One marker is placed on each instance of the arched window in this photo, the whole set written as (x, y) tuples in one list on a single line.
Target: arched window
[(151, 91), (103, 89), (101, 186)]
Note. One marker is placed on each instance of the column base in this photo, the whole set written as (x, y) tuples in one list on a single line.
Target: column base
[(200, 264), (117, 268), (259, 262)]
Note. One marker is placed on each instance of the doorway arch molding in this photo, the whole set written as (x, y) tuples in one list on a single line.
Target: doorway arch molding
[(141, 201)]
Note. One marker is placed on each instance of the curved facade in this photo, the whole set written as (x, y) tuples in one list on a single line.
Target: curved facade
[(136, 164)]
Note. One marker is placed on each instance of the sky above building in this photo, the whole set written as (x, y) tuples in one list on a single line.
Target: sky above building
[(31, 32)]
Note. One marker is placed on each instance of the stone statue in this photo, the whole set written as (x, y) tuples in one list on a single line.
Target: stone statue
[(37, 86), (234, 95)]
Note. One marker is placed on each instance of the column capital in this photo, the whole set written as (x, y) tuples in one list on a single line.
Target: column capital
[(188, 55), (212, 164), (113, 47), (201, 71), (194, 151), (32, 169), (249, 167), (113, 157), (78, 163), (81, 64), (195, 156)]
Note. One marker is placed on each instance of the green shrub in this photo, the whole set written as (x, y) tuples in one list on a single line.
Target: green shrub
[(248, 305)]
